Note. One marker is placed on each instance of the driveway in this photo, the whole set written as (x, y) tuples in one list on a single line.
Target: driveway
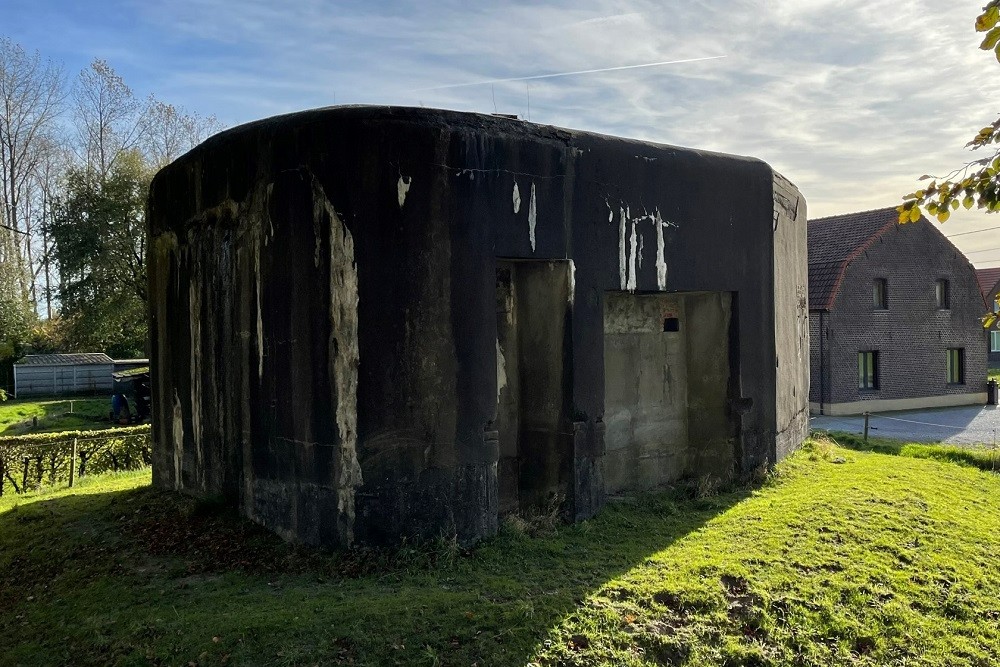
[(964, 425)]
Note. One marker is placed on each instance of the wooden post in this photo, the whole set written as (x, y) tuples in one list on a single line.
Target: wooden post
[(866, 426), (72, 465)]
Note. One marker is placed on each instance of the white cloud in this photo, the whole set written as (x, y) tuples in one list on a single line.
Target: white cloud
[(851, 99)]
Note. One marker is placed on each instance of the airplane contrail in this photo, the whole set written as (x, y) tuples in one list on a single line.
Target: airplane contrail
[(582, 71)]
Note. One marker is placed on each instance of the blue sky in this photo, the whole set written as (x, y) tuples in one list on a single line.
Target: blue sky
[(851, 99)]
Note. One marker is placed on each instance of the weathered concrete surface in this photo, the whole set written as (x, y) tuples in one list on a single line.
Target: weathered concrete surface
[(328, 349), (666, 365), (791, 329)]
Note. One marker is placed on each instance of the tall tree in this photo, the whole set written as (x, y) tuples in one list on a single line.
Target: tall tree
[(31, 94), (100, 242), (110, 119), (16, 315), (978, 182), (54, 161), (172, 131)]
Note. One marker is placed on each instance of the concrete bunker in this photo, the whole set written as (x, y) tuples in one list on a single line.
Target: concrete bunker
[(371, 323)]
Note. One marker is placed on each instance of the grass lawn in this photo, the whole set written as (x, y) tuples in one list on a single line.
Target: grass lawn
[(54, 415), (842, 558)]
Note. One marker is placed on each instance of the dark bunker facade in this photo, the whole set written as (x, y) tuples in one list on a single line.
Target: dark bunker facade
[(371, 323)]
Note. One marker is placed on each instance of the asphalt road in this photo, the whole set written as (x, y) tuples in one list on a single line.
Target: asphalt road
[(965, 425)]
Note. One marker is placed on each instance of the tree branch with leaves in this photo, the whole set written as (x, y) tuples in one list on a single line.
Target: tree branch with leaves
[(977, 184)]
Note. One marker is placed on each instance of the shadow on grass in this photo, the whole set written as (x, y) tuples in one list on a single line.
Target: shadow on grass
[(190, 581), (976, 457)]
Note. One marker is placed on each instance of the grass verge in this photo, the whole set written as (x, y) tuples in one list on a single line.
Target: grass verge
[(843, 558), (54, 415), (977, 457)]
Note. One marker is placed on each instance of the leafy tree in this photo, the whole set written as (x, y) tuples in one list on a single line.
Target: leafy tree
[(978, 182), (99, 236), (16, 313)]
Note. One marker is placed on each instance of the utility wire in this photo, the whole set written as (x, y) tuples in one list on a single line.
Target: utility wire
[(974, 231)]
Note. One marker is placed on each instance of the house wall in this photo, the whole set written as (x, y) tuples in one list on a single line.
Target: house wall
[(819, 353), (992, 358), (913, 334), (324, 308)]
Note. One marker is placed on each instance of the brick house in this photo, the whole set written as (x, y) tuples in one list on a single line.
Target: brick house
[(898, 307), (989, 285)]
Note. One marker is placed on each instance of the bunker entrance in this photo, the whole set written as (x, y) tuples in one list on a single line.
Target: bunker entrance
[(535, 466), (666, 373)]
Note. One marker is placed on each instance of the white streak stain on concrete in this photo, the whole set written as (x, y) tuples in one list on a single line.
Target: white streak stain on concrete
[(661, 262), (633, 247), (532, 212), (572, 282), (501, 371), (402, 187), (633, 250), (517, 199), (621, 250)]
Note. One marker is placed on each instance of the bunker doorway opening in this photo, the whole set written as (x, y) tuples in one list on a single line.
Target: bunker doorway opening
[(534, 431)]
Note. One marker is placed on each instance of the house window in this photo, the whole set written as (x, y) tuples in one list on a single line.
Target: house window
[(868, 369), (996, 305), (956, 365), (995, 341), (943, 298), (880, 295)]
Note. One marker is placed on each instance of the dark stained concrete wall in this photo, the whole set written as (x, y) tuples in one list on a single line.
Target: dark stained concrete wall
[(259, 235)]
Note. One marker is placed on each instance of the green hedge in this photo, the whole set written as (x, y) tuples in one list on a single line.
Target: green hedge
[(30, 461)]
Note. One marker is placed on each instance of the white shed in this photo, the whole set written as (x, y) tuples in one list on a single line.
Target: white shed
[(54, 374)]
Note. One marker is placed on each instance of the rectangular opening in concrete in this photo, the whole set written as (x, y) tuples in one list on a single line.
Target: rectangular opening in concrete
[(534, 433), (667, 372)]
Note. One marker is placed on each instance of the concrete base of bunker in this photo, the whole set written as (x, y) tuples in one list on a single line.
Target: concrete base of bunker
[(371, 324)]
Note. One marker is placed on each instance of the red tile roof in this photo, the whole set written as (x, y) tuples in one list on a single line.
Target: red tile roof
[(834, 242), (988, 279)]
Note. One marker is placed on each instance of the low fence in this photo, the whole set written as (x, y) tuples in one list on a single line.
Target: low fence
[(28, 462)]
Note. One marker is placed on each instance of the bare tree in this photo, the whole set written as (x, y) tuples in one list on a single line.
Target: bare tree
[(54, 161), (172, 131), (31, 94), (110, 120)]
